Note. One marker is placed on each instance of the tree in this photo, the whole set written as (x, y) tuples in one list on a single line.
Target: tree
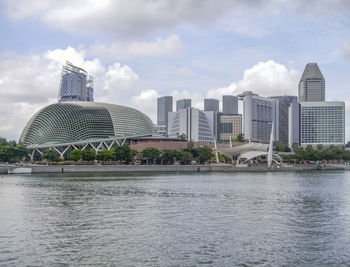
[(169, 156), (50, 155), (106, 155), (123, 153), (205, 154), (76, 155), (239, 138), (89, 155), (182, 136), (190, 148), (21, 151), (150, 154), (186, 158)]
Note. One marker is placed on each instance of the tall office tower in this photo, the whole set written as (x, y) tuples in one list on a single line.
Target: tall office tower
[(312, 84), (164, 105), (258, 115), (229, 105), (294, 124), (284, 103), (228, 126), (322, 123), (197, 125), (90, 89), (211, 104), (183, 103), (74, 84)]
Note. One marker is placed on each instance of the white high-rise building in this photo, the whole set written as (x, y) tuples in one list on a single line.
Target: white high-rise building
[(322, 123), (258, 115), (197, 125)]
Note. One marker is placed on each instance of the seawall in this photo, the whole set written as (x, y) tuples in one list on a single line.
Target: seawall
[(168, 168), (162, 168)]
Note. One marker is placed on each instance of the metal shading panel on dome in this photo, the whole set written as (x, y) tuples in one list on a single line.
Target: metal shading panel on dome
[(84, 121)]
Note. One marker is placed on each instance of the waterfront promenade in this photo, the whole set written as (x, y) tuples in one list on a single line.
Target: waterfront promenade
[(162, 168)]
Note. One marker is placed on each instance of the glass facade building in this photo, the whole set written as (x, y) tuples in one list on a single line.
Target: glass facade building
[(75, 85), (312, 84), (258, 115), (164, 105), (197, 125), (229, 126), (211, 104), (183, 103), (229, 105), (322, 123), (284, 103)]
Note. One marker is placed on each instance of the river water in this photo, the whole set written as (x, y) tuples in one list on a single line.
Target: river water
[(213, 219)]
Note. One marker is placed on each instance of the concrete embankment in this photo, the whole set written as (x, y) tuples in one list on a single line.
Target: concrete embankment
[(167, 168), (161, 168)]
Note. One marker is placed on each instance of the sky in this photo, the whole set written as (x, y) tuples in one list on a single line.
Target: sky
[(138, 50)]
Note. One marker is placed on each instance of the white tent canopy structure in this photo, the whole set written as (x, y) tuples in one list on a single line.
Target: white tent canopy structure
[(247, 152)]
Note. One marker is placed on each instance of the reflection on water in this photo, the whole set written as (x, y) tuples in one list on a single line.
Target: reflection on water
[(174, 220)]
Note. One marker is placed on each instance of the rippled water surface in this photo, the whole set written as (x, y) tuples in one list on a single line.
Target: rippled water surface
[(176, 220)]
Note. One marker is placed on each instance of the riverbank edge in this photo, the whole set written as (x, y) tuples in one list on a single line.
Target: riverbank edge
[(169, 168)]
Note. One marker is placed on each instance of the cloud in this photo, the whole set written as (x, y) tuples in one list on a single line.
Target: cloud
[(119, 17), (321, 7), (29, 82), (146, 101), (265, 78), (346, 49), (122, 50), (137, 18)]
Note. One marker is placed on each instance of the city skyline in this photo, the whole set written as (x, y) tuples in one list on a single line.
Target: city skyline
[(189, 50)]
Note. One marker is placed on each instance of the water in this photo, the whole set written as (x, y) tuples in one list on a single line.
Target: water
[(213, 219)]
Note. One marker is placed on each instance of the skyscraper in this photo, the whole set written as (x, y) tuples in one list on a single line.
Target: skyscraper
[(284, 103), (228, 126), (183, 103), (258, 115), (229, 105), (164, 105), (197, 125), (322, 123), (76, 84), (211, 104), (312, 84)]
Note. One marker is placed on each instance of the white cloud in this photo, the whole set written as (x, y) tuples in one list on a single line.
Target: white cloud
[(30, 82), (265, 78), (346, 49), (122, 50), (136, 18), (146, 101)]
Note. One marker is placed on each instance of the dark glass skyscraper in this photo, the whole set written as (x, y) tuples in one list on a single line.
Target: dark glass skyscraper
[(183, 103), (229, 105), (312, 84), (283, 105), (164, 105), (76, 84), (211, 104)]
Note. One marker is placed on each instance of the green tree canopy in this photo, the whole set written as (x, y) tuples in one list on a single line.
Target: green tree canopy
[(106, 155), (76, 155), (50, 155), (205, 154), (150, 154), (123, 153), (89, 154)]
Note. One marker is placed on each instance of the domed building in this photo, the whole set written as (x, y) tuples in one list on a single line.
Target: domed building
[(71, 124)]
